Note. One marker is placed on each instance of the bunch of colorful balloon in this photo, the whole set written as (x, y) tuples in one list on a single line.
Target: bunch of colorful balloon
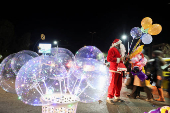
[(164, 109), (144, 33), (138, 62)]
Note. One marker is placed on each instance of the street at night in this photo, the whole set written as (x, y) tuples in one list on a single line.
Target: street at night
[(129, 106), (79, 58)]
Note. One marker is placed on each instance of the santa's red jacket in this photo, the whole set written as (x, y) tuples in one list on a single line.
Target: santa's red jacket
[(114, 58)]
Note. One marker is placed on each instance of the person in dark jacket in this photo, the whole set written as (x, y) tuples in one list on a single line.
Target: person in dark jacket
[(156, 73)]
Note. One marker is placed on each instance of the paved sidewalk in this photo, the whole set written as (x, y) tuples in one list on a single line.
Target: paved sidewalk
[(9, 103)]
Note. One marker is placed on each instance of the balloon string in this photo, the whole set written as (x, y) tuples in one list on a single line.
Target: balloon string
[(136, 45), (60, 88), (65, 86), (78, 86), (74, 85), (130, 46), (83, 90)]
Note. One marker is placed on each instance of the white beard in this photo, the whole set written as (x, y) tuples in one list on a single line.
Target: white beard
[(122, 50)]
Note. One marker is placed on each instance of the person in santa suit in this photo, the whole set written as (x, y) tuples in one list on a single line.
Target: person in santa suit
[(114, 57)]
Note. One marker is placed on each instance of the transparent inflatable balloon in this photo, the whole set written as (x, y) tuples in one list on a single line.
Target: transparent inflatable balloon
[(90, 52), (7, 76), (31, 53), (20, 59), (66, 57), (91, 83), (136, 32), (39, 78)]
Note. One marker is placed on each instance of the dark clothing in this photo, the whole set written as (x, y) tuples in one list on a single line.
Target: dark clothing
[(156, 71), (137, 89), (131, 77)]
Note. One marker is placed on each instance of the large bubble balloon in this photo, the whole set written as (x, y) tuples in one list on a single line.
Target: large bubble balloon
[(136, 32), (40, 77), (146, 38), (66, 57), (31, 53), (7, 76), (20, 59), (92, 83), (90, 52)]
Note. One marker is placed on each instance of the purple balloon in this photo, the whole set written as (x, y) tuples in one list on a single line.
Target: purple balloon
[(146, 38), (136, 32), (142, 76)]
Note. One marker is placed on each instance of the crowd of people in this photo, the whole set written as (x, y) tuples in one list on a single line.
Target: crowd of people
[(118, 63)]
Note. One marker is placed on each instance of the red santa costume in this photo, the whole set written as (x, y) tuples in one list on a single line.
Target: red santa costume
[(116, 68)]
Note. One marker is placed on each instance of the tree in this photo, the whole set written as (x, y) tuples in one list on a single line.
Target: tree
[(6, 37), (9, 43)]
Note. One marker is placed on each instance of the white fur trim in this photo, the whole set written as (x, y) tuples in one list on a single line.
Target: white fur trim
[(110, 98), (121, 69), (117, 97), (115, 44), (118, 60), (119, 42)]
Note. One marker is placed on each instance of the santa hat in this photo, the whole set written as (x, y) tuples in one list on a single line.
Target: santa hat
[(116, 42)]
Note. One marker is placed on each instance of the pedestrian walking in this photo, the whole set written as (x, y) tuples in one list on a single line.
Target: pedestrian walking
[(156, 73)]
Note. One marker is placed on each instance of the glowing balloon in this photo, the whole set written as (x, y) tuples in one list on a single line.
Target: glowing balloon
[(7, 76), (86, 66), (31, 53), (146, 38), (146, 22), (20, 59), (155, 29), (90, 52), (38, 78), (66, 57), (89, 89), (136, 32)]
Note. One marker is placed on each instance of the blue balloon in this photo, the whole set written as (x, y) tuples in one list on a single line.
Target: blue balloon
[(146, 38), (136, 32)]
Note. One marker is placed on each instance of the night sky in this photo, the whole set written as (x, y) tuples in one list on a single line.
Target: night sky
[(71, 25)]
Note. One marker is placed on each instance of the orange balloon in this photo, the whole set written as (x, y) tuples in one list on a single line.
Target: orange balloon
[(146, 22), (155, 29)]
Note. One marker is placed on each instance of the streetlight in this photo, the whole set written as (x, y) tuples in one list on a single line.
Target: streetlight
[(55, 43), (124, 38), (92, 36)]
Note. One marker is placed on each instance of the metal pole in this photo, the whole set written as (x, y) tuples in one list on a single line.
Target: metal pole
[(128, 46), (57, 50), (92, 39)]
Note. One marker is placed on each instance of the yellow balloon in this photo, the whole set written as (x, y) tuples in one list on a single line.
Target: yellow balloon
[(155, 29), (42, 36), (146, 22)]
